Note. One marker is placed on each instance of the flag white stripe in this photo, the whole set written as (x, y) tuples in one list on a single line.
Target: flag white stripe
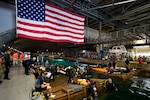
[(65, 18), (63, 23), (50, 24), (64, 28), (40, 29), (49, 36), (64, 13), (49, 30), (60, 25)]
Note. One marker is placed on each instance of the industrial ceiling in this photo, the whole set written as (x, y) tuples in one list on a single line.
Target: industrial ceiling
[(114, 14), (105, 15)]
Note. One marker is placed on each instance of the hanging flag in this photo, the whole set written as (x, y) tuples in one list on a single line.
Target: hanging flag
[(43, 21)]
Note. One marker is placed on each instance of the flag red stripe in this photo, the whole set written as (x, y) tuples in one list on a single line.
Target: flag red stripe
[(65, 26), (47, 39), (60, 25), (63, 20), (45, 26), (38, 32), (29, 24), (41, 26)]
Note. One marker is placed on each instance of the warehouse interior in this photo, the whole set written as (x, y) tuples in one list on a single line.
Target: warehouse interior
[(115, 31), (107, 23)]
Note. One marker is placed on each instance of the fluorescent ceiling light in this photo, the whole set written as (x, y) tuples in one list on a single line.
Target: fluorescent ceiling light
[(113, 4), (144, 46)]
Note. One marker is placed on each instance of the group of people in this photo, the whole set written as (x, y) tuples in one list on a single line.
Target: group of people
[(7, 63), (41, 84), (9, 59), (42, 74), (76, 71), (109, 85), (29, 64), (91, 85)]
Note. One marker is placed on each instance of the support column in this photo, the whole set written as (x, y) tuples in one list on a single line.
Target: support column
[(100, 29), (99, 50), (135, 50), (116, 38), (99, 47)]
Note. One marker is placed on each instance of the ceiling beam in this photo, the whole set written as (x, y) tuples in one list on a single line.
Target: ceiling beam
[(96, 26), (138, 23), (91, 14), (140, 19), (108, 5), (125, 9), (119, 17), (147, 35), (93, 23), (71, 4)]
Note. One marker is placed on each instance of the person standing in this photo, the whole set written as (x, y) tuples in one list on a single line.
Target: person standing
[(140, 61), (27, 63), (7, 63), (70, 74), (1, 61), (114, 61), (127, 62), (15, 59), (114, 64), (21, 59), (109, 64)]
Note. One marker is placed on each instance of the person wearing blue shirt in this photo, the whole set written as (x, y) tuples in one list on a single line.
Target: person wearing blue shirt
[(42, 85)]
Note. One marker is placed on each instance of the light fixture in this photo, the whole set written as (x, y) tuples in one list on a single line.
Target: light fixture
[(144, 46), (126, 23), (109, 5), (83, 51)]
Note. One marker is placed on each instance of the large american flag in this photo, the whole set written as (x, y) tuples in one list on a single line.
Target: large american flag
[(42, 21)]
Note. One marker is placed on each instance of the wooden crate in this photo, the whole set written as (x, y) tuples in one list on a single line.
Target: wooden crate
[(68, 94)]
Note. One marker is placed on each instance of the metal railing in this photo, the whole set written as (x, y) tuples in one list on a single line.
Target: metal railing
[(131, 34)]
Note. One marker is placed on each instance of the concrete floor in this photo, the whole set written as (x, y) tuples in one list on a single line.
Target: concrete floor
[(18, 87)]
